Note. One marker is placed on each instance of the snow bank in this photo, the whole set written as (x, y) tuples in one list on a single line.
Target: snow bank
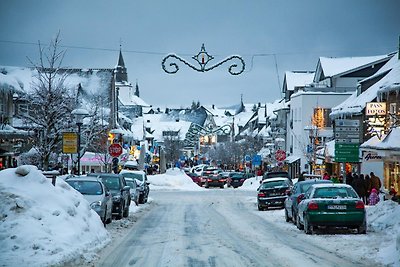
[(251, 184), (173, 179), (42, 224), (385, 217)]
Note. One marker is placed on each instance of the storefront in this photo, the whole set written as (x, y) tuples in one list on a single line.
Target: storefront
[(388, 148)]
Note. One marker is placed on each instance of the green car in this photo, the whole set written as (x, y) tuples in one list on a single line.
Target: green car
[(331, 205)]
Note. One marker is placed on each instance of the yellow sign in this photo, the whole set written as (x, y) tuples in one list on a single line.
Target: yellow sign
[(375, 108), (70, 143)]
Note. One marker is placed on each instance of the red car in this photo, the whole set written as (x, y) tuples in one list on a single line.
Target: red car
[(195, 177)]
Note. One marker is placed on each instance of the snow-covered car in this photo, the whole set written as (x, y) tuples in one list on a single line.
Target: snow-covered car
[(293, 199), (272, 192), (142, 182), (331, 205), (96, 193)]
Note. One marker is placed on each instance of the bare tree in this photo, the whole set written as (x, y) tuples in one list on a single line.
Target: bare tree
[(49, 102)]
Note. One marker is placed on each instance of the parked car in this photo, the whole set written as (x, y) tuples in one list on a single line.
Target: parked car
[(120, 192), (293, 199), (272, 192), (269, 175), (335, 205), (236, 179), (195, 177), (134, 189), (141, 179), (96, 193)]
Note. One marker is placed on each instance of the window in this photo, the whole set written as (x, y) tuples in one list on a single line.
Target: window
[(392, 113), (321, 118)]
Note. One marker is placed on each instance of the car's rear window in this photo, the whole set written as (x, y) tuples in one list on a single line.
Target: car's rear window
[(133, 175), (273, 184), (334, 192), (112, 183), (304, 187), (87, 187)]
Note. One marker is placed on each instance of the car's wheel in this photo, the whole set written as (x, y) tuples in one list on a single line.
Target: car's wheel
[(121, 211), (104, 220), (206, 186), (298, 223), (294, 217), (109, 220), (222, 186), (308, 229), (126, 212), (141, 199), (287, 219), (362, 229), (260, 208)]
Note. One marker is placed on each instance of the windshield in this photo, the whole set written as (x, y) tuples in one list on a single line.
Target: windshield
[(112, 183), (87, 187), (133, 175), (334, 192), (131, 184), (274, 184)]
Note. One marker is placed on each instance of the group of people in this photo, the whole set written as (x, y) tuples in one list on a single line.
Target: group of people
[(366, 186)]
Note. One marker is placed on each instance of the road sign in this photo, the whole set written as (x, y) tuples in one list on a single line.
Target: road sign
[(347, 152), (280, 155), (115, 150), (256, 160)]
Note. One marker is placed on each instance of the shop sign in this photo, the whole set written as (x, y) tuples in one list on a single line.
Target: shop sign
[(375, 108), (371, 157)]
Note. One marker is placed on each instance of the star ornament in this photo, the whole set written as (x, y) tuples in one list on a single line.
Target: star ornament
[(203, 57)]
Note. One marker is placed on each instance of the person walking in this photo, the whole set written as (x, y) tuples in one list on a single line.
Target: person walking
[(334, 178), (359, 187), (367, 182), (373, 197), (349, 178), (375, 182)]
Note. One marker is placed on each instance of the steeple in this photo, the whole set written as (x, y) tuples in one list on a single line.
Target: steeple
[(120, 74), (137, 89)]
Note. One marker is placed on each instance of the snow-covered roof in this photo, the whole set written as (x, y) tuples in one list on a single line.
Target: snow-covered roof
[(297, 79), (389, 142), (132, 100), (338, 66), (355, 104)]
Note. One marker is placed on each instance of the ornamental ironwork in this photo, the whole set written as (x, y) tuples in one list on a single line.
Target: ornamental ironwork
[(196, 130), (203, 58)]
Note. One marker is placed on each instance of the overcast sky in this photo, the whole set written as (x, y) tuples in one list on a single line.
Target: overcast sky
[(295, 32)]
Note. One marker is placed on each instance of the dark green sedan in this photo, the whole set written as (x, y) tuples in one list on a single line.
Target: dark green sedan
[(331, 205)]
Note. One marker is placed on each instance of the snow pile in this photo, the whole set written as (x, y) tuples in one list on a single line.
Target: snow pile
[(251, 184), (42, 224), (385, 217), (173, 179)]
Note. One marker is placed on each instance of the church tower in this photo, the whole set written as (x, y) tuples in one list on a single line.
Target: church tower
[(137, 89), (121, 75)]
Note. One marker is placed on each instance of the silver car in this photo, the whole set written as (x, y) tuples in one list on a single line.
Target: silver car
[(135, 189), (96, 193)]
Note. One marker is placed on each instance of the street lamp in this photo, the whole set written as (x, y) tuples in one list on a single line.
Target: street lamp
[(79, 115)]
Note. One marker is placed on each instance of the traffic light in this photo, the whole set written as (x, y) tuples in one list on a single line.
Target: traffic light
[(111, 137)]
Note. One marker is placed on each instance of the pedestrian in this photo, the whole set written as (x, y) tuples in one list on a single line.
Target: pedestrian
[(375, 182), (367, 182), (326, 176), (349, 178), (341, 179), (334, 178), (373, 197), (359, 187)]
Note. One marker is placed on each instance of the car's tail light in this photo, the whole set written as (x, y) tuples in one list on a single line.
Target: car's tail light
[(299, 198), (241, 180), (360, 205), (261, 194), (312, 205), (210, 180)]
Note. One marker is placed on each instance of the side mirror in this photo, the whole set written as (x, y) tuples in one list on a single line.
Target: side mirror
[(147, 183), (288, 192), (300, 198), (108, 193), (126, 188)]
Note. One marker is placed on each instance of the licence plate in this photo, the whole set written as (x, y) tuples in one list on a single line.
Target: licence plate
[(337, 207)]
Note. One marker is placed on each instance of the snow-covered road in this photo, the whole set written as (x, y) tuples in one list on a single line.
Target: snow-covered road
[(222, 228)]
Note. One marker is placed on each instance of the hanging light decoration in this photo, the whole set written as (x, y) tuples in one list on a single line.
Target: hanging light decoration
[(202, 58)]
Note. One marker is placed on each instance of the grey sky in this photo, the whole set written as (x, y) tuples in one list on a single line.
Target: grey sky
[(297, 32)]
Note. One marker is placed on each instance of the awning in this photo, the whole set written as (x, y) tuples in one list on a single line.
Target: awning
[(292, 159)]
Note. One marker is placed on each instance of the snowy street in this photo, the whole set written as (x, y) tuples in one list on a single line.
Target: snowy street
[(223, 228)]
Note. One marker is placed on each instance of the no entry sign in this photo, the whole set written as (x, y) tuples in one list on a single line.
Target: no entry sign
[(280, 155)]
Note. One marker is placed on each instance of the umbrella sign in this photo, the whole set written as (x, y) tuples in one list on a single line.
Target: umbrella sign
[(115, 150), (280, 155)]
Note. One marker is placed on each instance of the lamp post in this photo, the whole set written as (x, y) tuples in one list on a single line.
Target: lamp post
[(79, 115)]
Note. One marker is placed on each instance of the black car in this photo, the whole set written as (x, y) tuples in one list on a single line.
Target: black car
[(272, 193), (236, 179), (213, 178), (276, 174), (293, 199), (120, 192)]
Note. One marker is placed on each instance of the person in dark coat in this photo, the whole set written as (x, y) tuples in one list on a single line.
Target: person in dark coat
[(359, 186), (367, 182), (349, 178), (375, 182)]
